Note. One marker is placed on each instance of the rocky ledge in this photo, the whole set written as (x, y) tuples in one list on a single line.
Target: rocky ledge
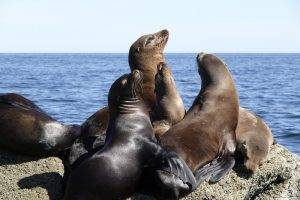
[(278, 178)]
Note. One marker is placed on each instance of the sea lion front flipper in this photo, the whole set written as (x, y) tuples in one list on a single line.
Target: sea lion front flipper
[(216, 169), (173, 176), (227, 164), (206, 171)]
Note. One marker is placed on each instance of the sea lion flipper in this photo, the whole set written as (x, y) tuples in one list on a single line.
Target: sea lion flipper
[(173, 176), (207, 170), (216, 169), (227, 164)]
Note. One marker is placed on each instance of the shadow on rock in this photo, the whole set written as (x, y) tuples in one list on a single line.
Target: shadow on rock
[(240, 169), (9, 158), (50, 181)]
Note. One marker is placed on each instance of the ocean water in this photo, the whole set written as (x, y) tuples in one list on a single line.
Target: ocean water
[(71, 87)]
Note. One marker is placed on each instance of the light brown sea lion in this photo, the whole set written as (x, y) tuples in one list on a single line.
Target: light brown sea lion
[(169, 108), (254, 139), (144, 55), (207, 132), (26, 129), (115, 171)]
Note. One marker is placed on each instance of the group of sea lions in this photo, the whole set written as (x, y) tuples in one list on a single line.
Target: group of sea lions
[(144, 141)]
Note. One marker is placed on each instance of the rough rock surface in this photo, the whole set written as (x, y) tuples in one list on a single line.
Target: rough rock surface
[(278, 178)]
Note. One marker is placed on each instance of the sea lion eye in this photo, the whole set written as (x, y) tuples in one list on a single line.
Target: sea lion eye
[(138, 49)]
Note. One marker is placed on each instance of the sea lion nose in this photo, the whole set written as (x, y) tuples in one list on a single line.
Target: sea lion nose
[(200, 56), (164, 32)]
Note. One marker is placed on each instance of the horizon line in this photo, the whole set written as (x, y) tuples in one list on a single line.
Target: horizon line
[(172, 52)]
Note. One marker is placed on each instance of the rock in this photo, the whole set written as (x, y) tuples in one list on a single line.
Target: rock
[(278, 178), (28, 178)]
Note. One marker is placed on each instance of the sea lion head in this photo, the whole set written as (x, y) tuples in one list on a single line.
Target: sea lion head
[(163, 78), (126, 91), (211, 68), (147, 46)]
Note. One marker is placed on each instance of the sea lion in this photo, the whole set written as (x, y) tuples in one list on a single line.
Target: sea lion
[(254, 139), (205, 138), (144, 55), (97, 123), (115, 171), (26, 129), (91, 140), (18, 100), (169, 108)]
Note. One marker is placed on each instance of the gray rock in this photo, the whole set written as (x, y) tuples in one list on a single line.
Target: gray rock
[(278, 178)]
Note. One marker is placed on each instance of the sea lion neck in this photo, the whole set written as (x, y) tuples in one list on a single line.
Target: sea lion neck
[(146, 62), (128, 106)]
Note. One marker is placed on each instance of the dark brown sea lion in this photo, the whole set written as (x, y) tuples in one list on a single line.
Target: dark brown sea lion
[(169, 108), (115, 171), (26, 129), (97, 123), (144, 55), (91, 140), (207, 132), (18, 100), (254, 139)]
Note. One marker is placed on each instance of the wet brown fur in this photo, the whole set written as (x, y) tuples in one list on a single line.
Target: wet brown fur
[(254, 139), (208, 129), (144, 55), (169, 109), (21, 127)]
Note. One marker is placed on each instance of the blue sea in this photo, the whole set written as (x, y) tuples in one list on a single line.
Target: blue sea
[(71, 87)]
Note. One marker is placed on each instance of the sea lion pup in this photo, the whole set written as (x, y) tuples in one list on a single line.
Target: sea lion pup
[(207, 132), (115, 171), (97, 123), (92, 137), (169, 109), (144, 55), (26, 129), (91, 140), (254, 139)]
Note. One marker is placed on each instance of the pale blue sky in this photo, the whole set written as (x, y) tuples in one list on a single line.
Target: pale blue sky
[(112, 26)]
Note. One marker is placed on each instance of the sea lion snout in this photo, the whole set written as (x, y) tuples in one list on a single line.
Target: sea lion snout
[(200, 57), (164, 33), (157, 39), (160, 66)]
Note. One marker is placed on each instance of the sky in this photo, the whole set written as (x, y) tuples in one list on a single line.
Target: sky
[(111, 26)]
